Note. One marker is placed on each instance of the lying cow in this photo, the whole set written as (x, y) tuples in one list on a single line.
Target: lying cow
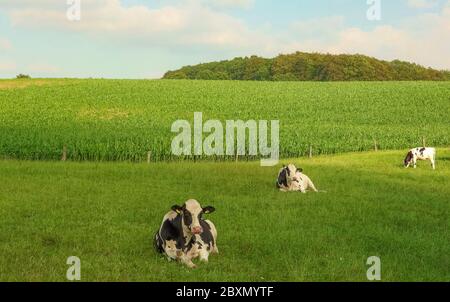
[(420, 154), (184, 235), (291, 179)]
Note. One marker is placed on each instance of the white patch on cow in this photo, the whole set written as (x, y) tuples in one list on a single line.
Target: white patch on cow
[(170, 216), (170, 247), (305, 183), (195, 209)]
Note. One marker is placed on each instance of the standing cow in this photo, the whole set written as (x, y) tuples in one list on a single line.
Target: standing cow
[(291, 179), (185, 235), (420, 154)]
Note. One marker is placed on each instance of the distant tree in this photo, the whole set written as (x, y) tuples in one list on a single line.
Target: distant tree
[(302, 66), (205, 75), (23, 76), (175, 75)]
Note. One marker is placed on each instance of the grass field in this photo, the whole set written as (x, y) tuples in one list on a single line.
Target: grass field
[(106, 214), (124, 119)]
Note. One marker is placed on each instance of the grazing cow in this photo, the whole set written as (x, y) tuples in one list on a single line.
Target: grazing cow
[(420, 154), (291, 179), (185, 235)]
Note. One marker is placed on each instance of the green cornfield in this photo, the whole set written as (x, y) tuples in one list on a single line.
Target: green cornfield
[(124, 120)]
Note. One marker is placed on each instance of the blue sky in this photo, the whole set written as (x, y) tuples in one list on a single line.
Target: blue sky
[(145, 38)]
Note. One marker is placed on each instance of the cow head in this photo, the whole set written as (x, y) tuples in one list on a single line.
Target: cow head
[(191, 213), (408, 159), (292, 173)]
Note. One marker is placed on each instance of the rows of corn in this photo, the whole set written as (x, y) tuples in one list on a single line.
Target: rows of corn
[(130, 120)]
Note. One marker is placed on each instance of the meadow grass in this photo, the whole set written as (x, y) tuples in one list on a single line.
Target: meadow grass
[(107, 120), (107, 213)]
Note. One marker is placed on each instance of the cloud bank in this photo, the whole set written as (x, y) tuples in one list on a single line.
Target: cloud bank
[(189, 24)]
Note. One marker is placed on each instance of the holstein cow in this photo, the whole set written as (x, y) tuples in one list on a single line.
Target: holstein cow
[(185, 235), (420, 154), (291, 179)]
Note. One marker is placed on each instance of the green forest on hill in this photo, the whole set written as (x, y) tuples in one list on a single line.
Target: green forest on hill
[(302, 66)]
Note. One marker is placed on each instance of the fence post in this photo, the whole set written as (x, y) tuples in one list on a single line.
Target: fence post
[(424, 142), (310, 151), (149, 157), (375, 144), (64, 153)]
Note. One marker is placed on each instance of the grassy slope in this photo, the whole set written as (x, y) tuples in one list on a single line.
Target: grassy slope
[(107, 213), (124, 119)]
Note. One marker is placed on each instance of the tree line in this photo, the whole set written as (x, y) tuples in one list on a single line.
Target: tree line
[(302, 66)]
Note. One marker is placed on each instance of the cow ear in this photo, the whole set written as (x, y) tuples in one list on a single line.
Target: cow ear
[(208, 210), (300, 170), (177, 209)]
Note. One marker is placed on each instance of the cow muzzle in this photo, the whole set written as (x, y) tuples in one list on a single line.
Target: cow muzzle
[(197, 230)]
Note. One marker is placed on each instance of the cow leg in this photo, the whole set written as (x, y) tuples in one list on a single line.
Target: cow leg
[(312, 186), (173, 253), (433, 163), (302, 188), (215, 249), (170, 249), (186, 260), (415, 163), (204, 255)]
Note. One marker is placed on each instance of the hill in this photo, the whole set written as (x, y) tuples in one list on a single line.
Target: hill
[(302, 66)]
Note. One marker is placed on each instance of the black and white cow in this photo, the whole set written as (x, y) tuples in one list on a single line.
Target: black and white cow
[(185, 235), (420, 154), (291, 179)]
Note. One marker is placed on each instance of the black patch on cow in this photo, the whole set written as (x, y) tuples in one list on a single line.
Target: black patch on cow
[(282, 178), (158, 243), (208, 210), (206, 236), (177, 209), (422, 150), (172, 230), (187, 217), (409, 158)]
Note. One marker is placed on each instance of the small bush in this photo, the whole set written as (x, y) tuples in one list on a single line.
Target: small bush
[(23, 76)]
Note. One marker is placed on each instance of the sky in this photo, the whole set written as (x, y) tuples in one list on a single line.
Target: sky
[(145, 38)]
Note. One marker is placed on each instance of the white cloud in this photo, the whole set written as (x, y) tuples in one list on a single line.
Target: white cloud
[(188, 23), (245, 4), (202, 26), (423, 3), (423, 40)]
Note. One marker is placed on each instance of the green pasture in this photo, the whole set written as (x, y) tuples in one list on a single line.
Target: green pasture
[(107, 213)]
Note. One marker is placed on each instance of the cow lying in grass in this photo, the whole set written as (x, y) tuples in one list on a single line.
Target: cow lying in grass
[(291, 179), (184, 235), (420, 154)]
